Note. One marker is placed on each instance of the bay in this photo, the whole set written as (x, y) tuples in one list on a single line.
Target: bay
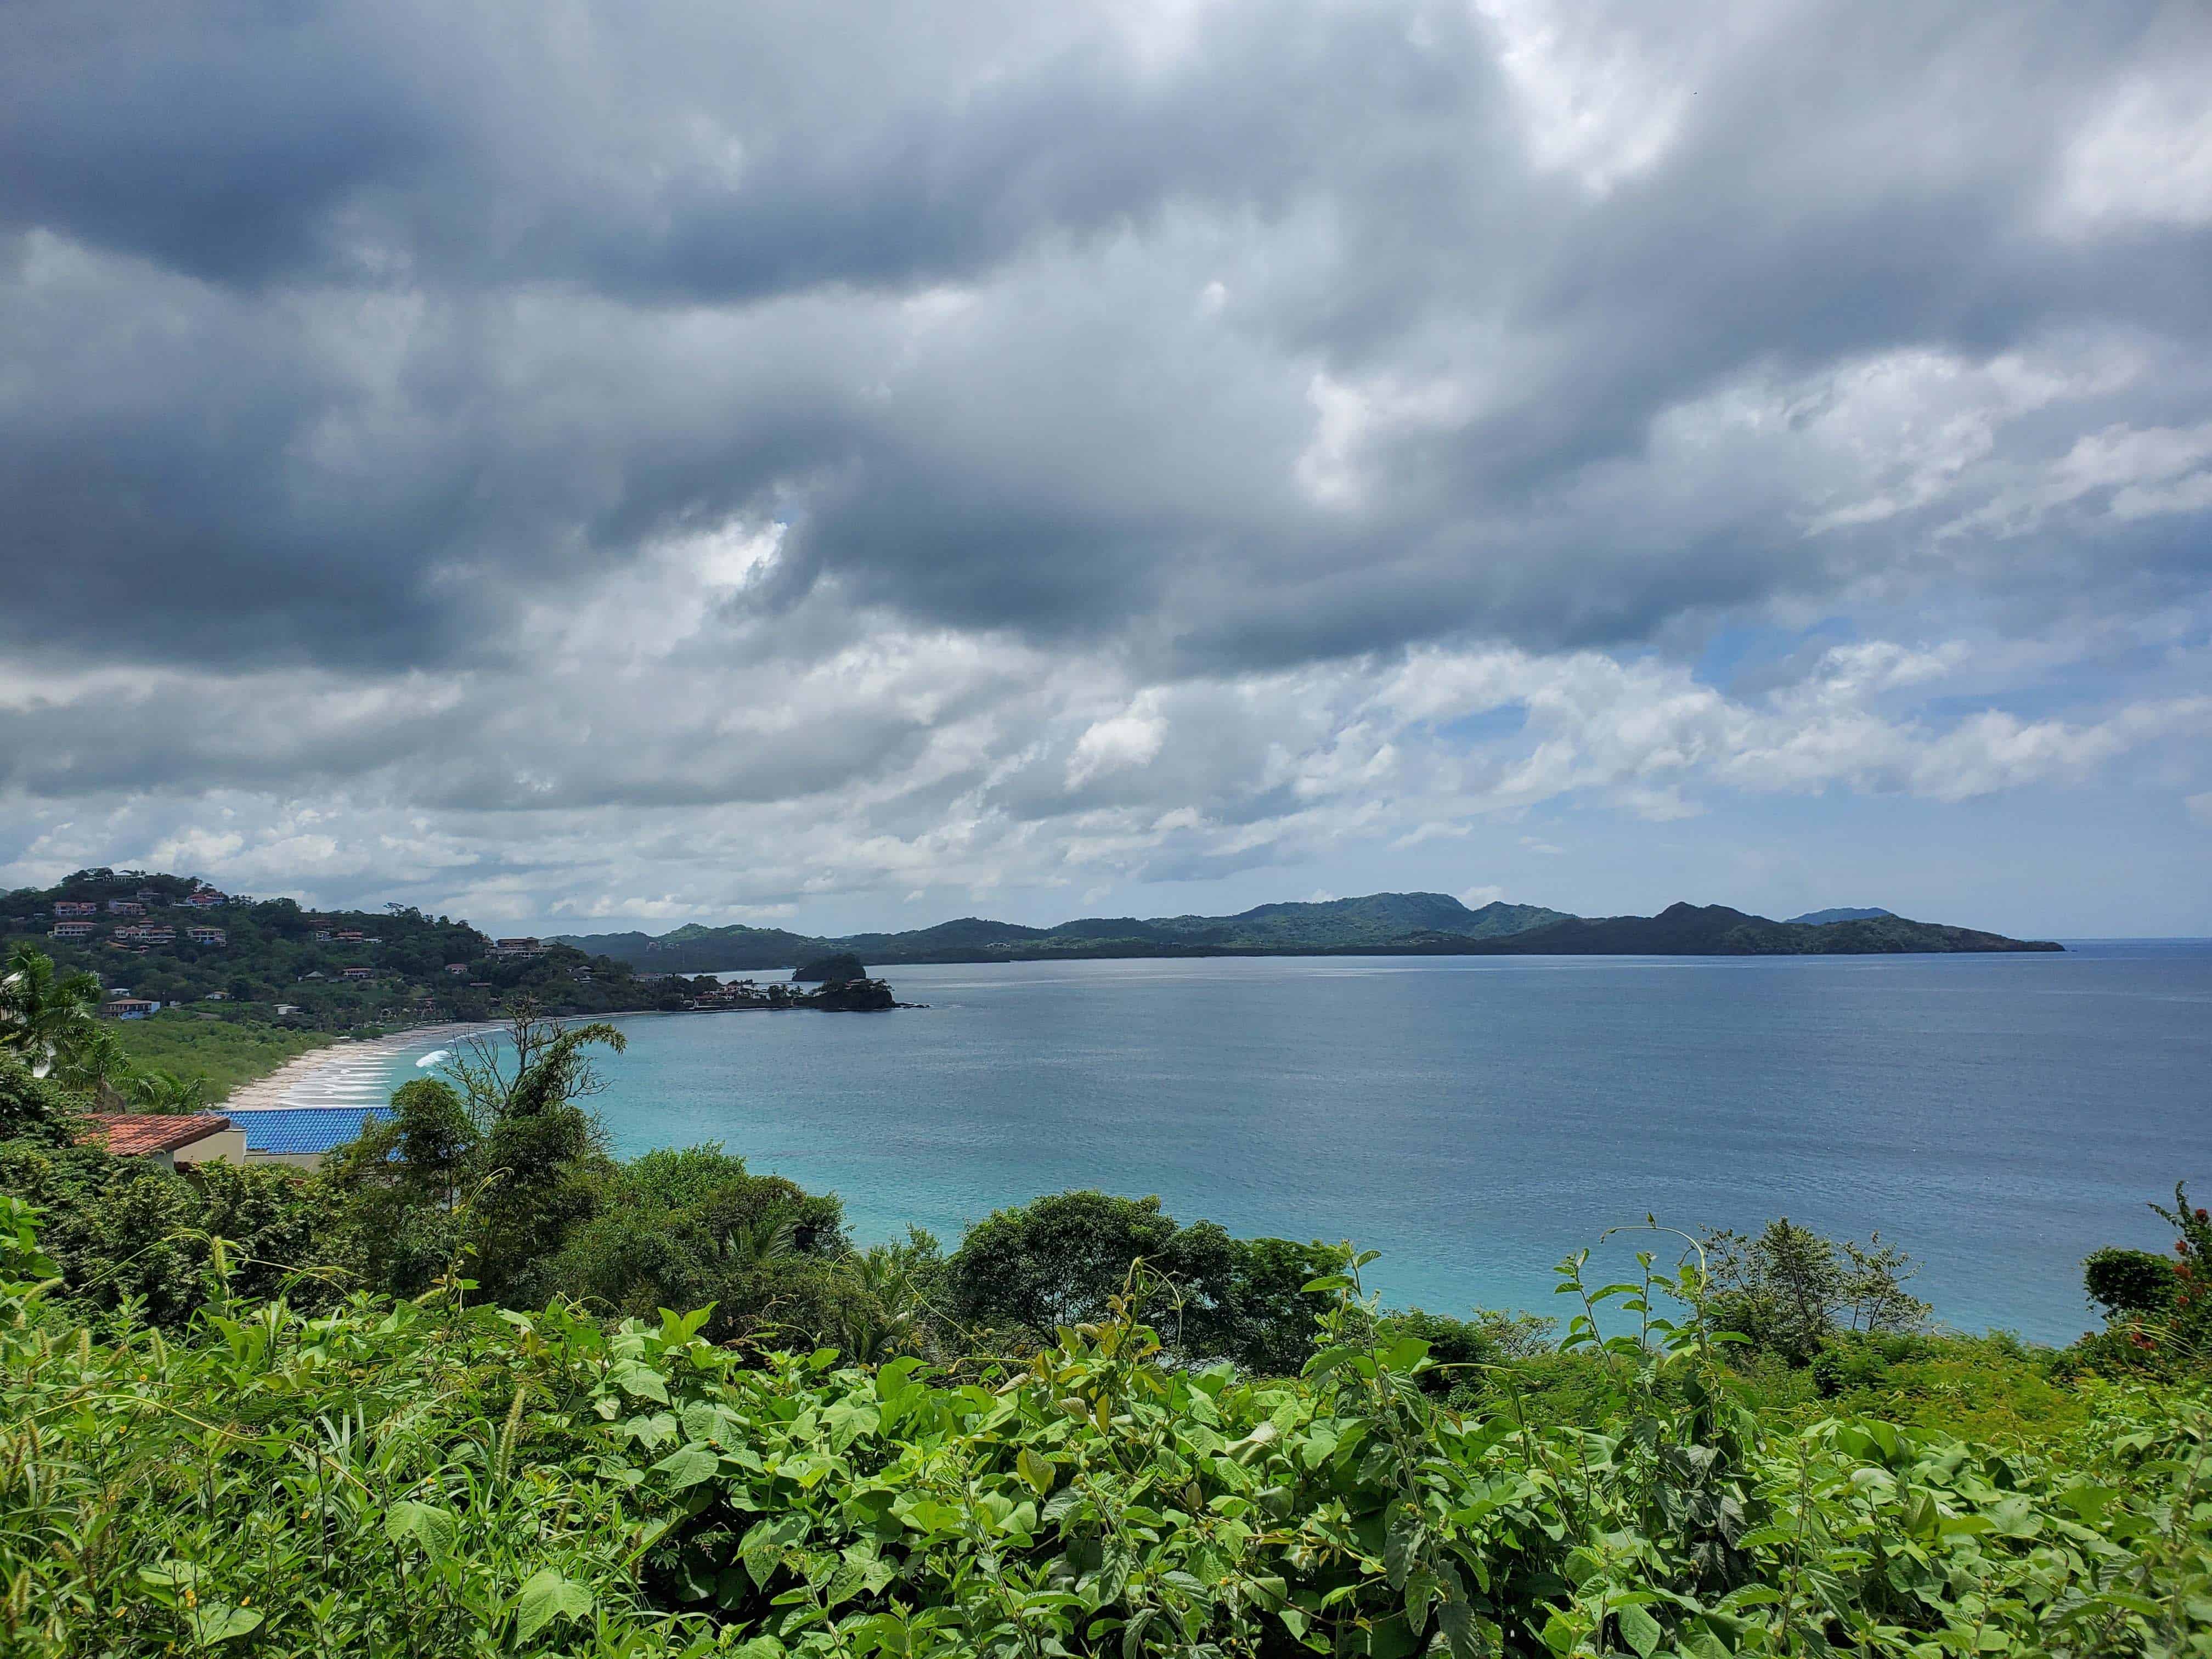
[(1476, 1118)]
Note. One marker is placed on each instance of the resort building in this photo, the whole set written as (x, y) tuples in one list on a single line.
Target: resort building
[(302, 1136), (167, 1139), (75, 908), (125, 908), (208, 935), (74, 929), (357, 973), (129, 1008), (206, 899)]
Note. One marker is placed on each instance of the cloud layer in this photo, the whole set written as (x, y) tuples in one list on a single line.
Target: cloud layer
[(574, 461)]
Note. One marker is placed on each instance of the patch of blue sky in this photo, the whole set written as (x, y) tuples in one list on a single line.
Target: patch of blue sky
[(1486, 726), (1748, 656)]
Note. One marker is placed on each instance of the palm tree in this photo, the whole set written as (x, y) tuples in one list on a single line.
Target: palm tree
[(884, 1316), (165, 1092), (44, 1014), (94, 1062), (757, 1243)]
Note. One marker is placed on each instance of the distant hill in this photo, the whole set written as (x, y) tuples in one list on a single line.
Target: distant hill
[(1394, 924), (695, 950), (1379, 922), (1714, 930)]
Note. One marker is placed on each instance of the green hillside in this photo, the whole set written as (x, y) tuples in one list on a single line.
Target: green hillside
[(275, 962), (1432, 924), (1714, 930), (1376, 921)]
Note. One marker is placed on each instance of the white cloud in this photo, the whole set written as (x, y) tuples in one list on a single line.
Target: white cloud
[(2144, 159), (1112, 745)]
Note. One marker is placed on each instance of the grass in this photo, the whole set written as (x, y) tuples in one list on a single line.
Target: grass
[(227, 1052)]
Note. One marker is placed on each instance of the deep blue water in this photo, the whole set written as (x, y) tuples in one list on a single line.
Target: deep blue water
[(1476, 1118)]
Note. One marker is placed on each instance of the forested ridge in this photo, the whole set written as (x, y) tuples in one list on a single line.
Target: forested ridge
[(478, 1388), (1380, 924)]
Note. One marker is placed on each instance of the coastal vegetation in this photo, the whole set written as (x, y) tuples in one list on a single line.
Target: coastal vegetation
[(221, 1054), (273, 962), (478, 1388), (235, 987)]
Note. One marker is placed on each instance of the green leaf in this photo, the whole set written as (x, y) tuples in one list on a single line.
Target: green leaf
[(1132, 1633), (848, 1420), (432, 1528), (1638, 1629), (545, 1597), (688, 1465), (1114, 1569), (1463, 1633), (2088, 1500), (1037, 1471), (1402, 1547), (634, 1377), (216, 1621)]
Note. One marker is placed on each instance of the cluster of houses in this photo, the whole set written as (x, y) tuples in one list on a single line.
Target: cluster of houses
[(205, 898), (79, 919)]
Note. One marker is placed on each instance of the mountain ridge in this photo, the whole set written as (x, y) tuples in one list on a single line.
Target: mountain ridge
[(1420, 924), (1840, 913)]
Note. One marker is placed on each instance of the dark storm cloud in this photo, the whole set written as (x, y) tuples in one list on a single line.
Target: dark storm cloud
[(335, 335)]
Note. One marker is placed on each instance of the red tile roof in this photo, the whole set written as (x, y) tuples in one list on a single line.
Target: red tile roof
[(133, 1134)]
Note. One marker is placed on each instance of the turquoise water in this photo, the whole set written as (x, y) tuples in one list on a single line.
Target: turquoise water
[(1476, 1118)]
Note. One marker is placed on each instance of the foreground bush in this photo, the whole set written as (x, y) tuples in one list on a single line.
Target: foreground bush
[(420, 1479)]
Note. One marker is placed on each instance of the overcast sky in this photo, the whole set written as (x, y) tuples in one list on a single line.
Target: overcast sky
[(842, 465)]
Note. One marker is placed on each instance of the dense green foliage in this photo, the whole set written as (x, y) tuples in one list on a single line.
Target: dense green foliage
[(425, 1479), (223, 1053), (431, 1401)]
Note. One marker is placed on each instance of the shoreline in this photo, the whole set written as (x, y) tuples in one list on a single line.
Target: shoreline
[(340, 1073)]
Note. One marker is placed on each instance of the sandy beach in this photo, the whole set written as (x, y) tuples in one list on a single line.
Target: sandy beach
[(345, 1073)]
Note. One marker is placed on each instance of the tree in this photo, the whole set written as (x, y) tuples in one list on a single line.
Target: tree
[(1055, 1261), (1789, 1289), (94, 1064), (35, 1109), (42, 1014), (486, 1171), (165, 1092)]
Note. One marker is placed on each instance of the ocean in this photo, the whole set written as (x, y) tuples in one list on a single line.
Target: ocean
[(1477, 1118)]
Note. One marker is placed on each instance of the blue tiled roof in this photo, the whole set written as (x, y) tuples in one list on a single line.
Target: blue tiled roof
[(303, 1128)]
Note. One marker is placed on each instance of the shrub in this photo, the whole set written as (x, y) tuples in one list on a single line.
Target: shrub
[(2124, 1282)]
